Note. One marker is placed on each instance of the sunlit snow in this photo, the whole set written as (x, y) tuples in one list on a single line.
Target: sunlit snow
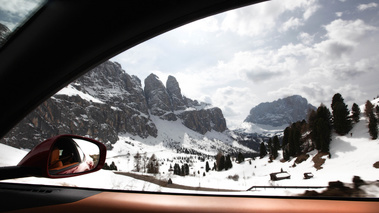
[(351, 155)]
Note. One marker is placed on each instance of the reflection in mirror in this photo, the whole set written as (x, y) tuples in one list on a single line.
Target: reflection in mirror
[(72, 155)]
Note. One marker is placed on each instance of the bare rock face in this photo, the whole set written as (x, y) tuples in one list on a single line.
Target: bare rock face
[(204, 120), (156, 95), (107, 102), (118, 105), (173, 89), (280, 112)]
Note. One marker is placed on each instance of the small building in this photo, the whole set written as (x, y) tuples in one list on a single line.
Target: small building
[(308, 175), (279, 176)]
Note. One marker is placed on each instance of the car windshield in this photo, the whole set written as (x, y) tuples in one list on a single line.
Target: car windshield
[(278, 98), (13, 14)]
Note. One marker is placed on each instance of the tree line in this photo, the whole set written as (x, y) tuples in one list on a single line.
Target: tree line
[(304, 136)]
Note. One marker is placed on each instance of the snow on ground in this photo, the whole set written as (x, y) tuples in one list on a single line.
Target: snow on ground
[(262, 129), (351, 155), (71, 91)]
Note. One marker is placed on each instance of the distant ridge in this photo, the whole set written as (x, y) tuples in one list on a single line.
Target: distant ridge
[(280, 112)]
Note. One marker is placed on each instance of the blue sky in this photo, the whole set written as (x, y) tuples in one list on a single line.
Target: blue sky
[(238, 59)]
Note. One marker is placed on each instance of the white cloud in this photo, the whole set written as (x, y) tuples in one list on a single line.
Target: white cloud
[(339, 14), (218, 62), (348, 31), (312, 7), (262, 18), (363, 7), (292, 23), (305, 38), (342, 38), (235, 103), (18, 7)]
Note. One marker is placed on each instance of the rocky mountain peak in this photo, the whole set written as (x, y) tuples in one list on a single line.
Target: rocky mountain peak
[(173, 89), (280, 112), (156, 95), (107, 102)]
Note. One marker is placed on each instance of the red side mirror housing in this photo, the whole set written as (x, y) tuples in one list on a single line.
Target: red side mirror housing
[(63, 156)]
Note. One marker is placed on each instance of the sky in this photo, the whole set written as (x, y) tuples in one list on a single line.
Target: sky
[(260, 53), (271, 50), (14, 12)]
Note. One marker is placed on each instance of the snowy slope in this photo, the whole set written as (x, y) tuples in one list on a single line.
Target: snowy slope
[(351, 155)]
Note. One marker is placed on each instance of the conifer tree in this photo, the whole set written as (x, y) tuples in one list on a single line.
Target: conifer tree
[(368, 108), (294, 139), (228, 163), (113, 166), (221, 165), (341, 121), (275, 146), (269, 146), (311, 125), (262, 150), (185, 169), (240, 158), (177, 170), (356, 111), (137, 161), (207, 168), (220, 161), (285, 136), (373, 126), (276, 142), (153, 165), (321, 131)]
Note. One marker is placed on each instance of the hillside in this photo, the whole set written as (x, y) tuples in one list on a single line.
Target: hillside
[(350, 156), (107, 103)]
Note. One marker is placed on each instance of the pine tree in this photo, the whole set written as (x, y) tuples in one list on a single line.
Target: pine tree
[(275, 146), (153, 165), (285, 136), (276, 142), (220, 161), (269, 146), (321, 131), (177, 170), (262, 150), (113, 166), (228, 163), (137, 161), (240, 158), (207, 168), (341, 121), (368, 108), (221, 164), (185, 169), (294, 139), (311, 125), (356, 111), (373, 126)]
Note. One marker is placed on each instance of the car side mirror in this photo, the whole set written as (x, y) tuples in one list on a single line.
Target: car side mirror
[(58, 157)]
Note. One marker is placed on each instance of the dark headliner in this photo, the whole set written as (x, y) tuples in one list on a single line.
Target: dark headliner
[(67, 38)]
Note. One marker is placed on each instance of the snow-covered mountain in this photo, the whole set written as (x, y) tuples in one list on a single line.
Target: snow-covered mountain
[(107, 104), (271, 118), (280, 112)]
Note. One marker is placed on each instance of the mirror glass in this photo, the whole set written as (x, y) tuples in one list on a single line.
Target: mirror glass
[(73, 155)]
